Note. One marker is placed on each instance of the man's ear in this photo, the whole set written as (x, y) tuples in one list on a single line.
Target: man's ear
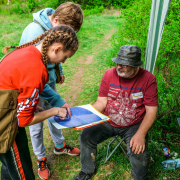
[(57, 48)]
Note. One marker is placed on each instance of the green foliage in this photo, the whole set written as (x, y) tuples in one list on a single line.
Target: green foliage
[(89, 7), (18, 8), (15, 8), (134, 30), (105, 3), (167, 68), (98, 3), (95, 10), (31, 5), (3, 2), (51, 3)]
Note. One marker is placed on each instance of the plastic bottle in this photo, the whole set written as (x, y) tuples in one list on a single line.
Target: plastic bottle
[(177, 162), (171, 164)]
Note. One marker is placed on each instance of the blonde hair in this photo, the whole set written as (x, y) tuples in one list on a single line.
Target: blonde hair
[(70, 14), (60, 34)]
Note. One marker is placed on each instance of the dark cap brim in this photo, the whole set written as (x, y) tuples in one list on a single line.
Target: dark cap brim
[(127, 63)]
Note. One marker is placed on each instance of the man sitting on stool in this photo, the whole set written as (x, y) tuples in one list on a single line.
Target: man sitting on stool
[(128, 95)]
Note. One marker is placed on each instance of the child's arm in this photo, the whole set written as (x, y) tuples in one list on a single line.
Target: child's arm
[(40, 116)]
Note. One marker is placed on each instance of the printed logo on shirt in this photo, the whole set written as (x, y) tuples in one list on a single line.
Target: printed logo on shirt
[(29, 102), (122, 87), (122, 109)]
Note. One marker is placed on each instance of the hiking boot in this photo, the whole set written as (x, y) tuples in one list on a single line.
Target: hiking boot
[(67, 150), (43, 170), (84, 176)]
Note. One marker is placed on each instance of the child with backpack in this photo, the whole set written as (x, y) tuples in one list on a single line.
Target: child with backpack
[(23, 75)]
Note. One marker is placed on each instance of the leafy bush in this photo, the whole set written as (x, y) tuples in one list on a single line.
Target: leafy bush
[(168, 67), (3, 1), (89, 5), (95, 10), (18, 8), (31, 5), (51, 3), (95, 6), (134, 30)]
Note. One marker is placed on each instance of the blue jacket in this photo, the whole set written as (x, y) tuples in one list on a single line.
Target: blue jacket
[(32, 31)]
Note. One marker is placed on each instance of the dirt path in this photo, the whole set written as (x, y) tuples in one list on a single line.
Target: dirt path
[(76, 82)]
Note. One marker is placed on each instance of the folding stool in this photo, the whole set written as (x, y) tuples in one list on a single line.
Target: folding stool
[(118, 145)]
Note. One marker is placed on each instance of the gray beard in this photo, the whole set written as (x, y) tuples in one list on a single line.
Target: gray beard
[(125, 74)]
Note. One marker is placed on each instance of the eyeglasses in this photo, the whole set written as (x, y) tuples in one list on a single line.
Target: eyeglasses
[(123, 66)]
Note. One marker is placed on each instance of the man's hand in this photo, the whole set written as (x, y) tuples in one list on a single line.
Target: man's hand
[(137, 143), (66, 106), (62, 79), (39, 109)]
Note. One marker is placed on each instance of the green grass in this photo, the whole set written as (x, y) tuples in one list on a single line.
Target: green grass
[(11, 29), (83, 74)]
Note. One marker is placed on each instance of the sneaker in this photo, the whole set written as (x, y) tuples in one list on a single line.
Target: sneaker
[(67, 150), (43, 170), (83, 176)]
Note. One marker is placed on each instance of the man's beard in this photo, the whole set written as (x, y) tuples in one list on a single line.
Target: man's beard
[(122, 73)]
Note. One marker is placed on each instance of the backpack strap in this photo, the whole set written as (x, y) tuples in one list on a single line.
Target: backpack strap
[(7, 54), (39, 24)]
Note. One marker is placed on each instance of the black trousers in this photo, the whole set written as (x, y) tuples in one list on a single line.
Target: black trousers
[(16, 163), (92, 136)]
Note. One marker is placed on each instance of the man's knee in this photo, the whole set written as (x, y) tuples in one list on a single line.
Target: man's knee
[(92, 135), (86, 135), (141, 160)]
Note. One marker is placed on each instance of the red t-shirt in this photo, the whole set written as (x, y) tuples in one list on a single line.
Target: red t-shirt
[(127, 98), (24, 71)]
